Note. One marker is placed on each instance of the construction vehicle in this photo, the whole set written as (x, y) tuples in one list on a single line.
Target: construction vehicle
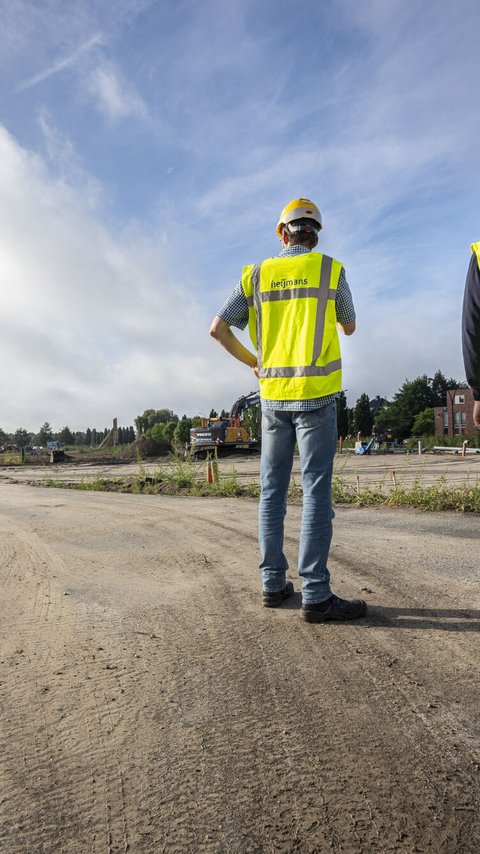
[(218, 433)]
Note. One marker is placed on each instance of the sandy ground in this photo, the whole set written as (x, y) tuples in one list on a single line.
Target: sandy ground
[(150, 704), (372, 470)]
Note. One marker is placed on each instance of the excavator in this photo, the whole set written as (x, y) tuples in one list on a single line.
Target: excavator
[(217, 433)]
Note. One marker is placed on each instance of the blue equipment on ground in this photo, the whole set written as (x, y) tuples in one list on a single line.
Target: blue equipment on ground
[(362, 448)]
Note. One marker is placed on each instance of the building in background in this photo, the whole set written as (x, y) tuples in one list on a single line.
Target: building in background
[(456, 417)]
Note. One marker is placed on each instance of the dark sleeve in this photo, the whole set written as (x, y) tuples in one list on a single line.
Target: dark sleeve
[(471, 327)]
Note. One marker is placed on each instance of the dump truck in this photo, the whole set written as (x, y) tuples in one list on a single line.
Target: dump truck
[(217, 433)]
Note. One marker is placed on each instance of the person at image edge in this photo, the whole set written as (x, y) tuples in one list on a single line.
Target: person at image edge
[(471, 329)]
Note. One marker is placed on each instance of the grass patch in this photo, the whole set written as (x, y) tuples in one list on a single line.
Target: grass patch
[(97, 484), (180, 477), (187, 477), (463, 498), (13, 458)]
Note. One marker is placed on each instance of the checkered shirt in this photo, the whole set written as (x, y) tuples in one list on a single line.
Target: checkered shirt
[(234, 311)]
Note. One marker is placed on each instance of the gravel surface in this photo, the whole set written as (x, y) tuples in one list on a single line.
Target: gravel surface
[(150, 703)]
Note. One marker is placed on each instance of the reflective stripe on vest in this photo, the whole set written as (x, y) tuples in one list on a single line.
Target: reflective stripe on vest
[(305, 371), (475, 247), (297, 334)]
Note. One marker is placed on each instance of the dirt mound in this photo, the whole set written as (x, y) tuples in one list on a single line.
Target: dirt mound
[(144, 448)]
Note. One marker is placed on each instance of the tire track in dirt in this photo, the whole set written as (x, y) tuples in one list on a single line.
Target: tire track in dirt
[(449, 689), (47, 724), (417, 729), (181, 716)]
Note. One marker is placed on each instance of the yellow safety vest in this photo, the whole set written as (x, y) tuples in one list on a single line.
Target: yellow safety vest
[(475, 247), (293, 325)]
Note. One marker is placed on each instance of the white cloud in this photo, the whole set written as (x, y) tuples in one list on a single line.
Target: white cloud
[(383, 136), (115, 98), (63, 63), (64, 160), (94, 323)]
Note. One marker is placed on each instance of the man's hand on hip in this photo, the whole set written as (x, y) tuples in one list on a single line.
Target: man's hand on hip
[(476, 413)]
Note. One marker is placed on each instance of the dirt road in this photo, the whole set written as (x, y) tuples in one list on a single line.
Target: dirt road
[(149, 704), (374, 471)]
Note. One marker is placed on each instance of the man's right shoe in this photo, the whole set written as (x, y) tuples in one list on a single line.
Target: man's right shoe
[(333, 608), (276, 598)]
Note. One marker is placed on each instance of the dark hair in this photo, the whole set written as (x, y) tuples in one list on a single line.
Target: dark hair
[(303, 238)]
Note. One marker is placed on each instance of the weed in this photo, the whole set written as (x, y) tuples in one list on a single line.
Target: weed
[(187, 477), (184, 473), (12, 458), (96, 484), (463, 498), (294, 491)]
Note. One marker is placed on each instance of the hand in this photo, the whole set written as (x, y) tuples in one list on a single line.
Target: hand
[(255, 371), (476, 413)]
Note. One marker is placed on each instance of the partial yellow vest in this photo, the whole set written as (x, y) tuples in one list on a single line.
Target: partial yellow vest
[(293, 325), (475, 247)]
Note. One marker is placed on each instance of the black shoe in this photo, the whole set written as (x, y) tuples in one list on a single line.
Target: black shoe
[(274, 600), (334, 608)]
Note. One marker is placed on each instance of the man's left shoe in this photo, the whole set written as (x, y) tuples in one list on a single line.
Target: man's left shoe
[(333, 608), (274, 600)]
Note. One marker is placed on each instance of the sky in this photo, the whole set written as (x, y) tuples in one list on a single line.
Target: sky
[(147, 148)]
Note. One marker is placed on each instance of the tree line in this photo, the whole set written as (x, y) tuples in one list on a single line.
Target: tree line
[(165, 427), (410, 412), (91, 437)]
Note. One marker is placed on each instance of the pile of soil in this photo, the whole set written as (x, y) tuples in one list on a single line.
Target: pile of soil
[(144, 448)]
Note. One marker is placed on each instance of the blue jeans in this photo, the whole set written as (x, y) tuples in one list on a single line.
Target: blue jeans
[(315, 433)]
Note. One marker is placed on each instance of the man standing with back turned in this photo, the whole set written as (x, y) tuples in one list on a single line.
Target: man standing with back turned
[(293, 305)]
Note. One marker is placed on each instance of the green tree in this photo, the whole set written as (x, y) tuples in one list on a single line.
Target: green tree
[(351, 421), (342, 415), (151, 417), (440, 386), (143, 422), (213, 414), (45, 434), (413, 397), (21, 437), (251, 421), (66, 437), (390, 418), (362, 416), (163, 433), (3, 437), (182, 431), (169, 430), (166, 415), (424, 423), (88, 436)]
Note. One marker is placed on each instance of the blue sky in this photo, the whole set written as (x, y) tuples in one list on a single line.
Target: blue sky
[(146, 150)]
